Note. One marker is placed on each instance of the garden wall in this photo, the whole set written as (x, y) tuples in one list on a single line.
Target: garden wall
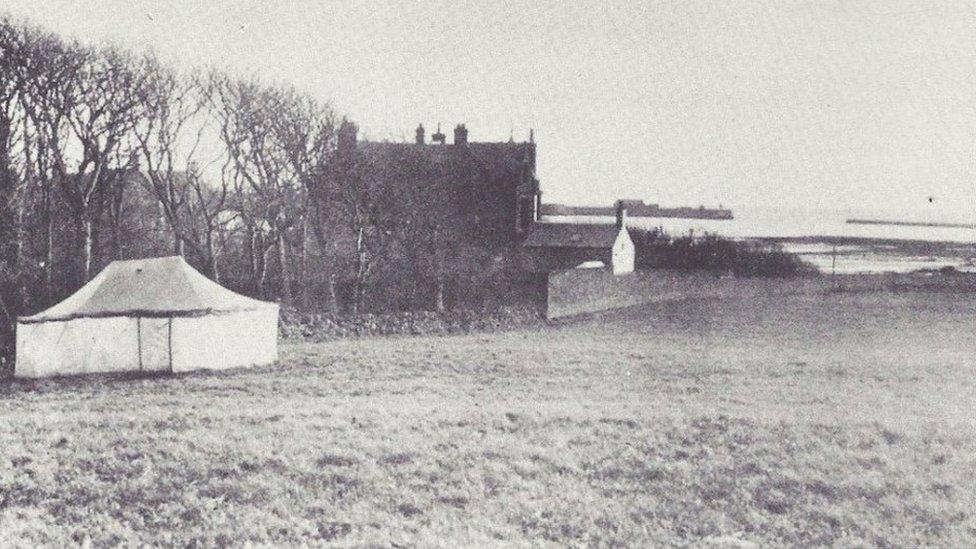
[(580, 291)]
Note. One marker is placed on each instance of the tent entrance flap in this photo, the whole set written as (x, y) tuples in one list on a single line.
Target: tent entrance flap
[(155, 338)]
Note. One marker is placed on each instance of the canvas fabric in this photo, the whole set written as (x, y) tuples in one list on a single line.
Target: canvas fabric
[(156, 315)]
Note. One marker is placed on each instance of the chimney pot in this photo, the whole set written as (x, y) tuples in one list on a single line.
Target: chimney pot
[(347, 135), (460, 135), (438, 137), (621, 214)]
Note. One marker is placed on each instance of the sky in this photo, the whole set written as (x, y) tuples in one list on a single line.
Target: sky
[(865, 106)]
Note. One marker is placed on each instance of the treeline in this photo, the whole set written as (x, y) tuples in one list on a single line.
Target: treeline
[(106, 154), (657, 250)]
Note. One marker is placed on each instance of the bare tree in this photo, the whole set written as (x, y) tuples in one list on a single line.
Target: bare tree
[(106, 114), (349, 188), (12, 183), (276, 140), (208, 224), (85, 102), (243, 130), (305, 132), (176, 119), (167, 138), (44, 68)]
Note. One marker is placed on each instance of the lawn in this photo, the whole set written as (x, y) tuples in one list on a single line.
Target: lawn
[(845, 419)]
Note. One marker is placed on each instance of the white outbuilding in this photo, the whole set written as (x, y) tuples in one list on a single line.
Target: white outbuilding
[(151, 315)]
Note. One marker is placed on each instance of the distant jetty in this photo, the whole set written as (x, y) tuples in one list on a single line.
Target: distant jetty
[(911, 223), (637, 208)]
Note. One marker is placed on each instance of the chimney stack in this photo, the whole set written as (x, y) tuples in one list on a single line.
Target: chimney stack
[(347, 136), (621, 214), (438, 137), (460, 135), (420, 134)]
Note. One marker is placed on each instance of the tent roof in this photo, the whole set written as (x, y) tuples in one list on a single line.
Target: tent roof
[(164, 286)]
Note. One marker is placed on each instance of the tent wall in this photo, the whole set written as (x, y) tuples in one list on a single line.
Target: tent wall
[(154, 344), (78, 346), (226, 340), (130, 344)]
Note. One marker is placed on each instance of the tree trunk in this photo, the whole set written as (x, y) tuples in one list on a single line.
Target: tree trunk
[(49, 248), (332, 304), (286, 295), (23, 206), (263, 280), (11, 320), (328, 263), (116, 245), (214, 269), (257, 276), (211, 258), (306, 288), (439, 295), (361, 270), (116, 193), (20, 259), (178, 245), (87, 230), (8, 194)]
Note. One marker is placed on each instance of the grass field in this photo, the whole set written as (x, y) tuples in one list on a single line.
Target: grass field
[(845, 419)]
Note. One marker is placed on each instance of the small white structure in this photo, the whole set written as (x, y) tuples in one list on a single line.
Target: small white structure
[(153, 315), (623, 255)]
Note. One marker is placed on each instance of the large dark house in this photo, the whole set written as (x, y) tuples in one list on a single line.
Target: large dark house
[(488, 188), (447, 218)]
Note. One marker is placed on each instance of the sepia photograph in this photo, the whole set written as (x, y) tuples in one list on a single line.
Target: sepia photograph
[(526, 273)]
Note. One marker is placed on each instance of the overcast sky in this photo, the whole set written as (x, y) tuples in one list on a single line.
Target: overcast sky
[(819, 104)]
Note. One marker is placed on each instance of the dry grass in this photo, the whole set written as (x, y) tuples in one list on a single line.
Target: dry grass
[(844, 420)]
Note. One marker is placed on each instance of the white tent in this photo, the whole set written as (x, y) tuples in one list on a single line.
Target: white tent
[(154, 315)]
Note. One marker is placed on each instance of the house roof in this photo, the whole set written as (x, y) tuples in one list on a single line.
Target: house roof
[(163, 286), (481, 164), (571, 235)]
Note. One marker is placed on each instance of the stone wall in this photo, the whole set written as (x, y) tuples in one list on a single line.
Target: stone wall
[(581, 291)]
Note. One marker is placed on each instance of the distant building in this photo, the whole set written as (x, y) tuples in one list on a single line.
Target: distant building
[(557, 246), (636, 208)]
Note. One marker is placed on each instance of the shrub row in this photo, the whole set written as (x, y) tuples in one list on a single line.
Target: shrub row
[(657, 250), (294, 324)]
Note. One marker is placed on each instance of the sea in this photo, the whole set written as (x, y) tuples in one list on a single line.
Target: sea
[(826, 240)]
